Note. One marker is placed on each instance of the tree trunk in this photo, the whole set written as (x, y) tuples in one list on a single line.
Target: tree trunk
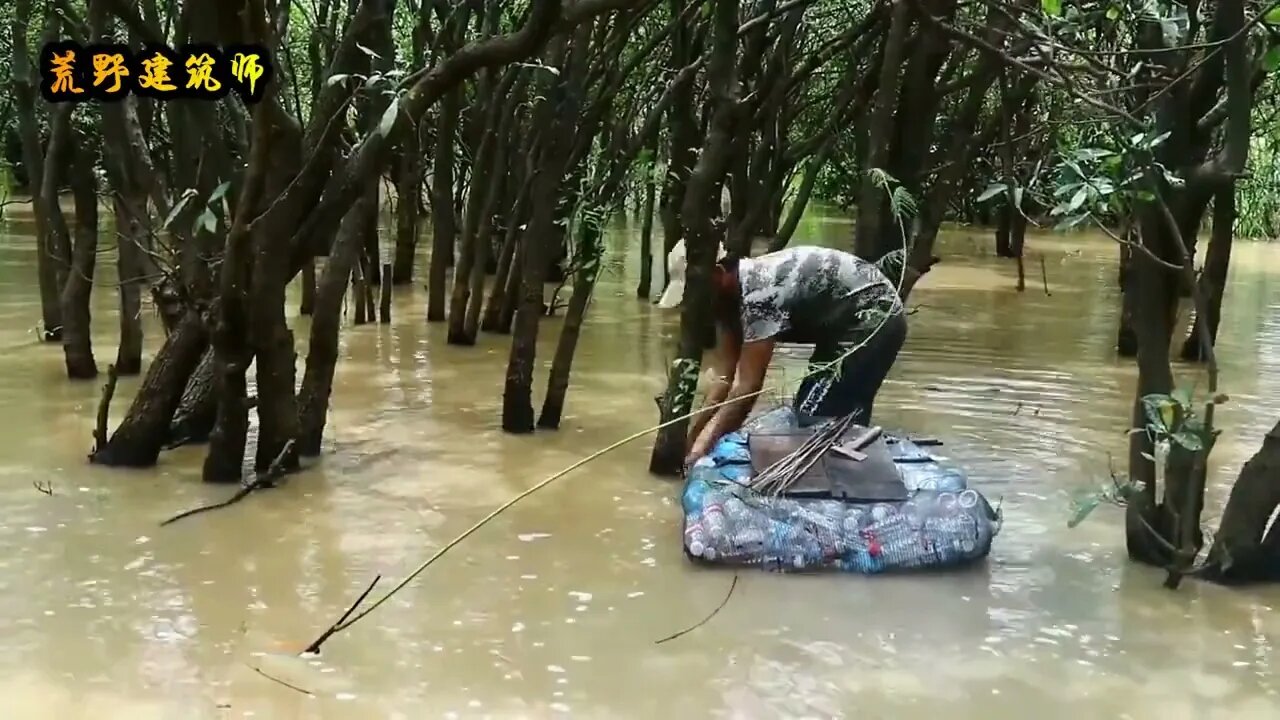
[(322, 353), (873, 205), (1126, 337), (700, 202), (496, 320), (444, 221), (243, 321), (556, 116), (486, 180), (511, 294), (77, 338), (129, 173), (644, 287), (198, 407), (499, 174), (132, 233), (1154, 294), (25, 103), (1213, 278), (384, 301), (308, 287), (682, 135), (142, 434), (1240, 552), (583, 285), (408, 192)]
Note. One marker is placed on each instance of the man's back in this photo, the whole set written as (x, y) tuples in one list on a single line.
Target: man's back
[(813, 295)]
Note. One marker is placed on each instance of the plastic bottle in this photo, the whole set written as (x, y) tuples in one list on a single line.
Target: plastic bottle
[(713, 521)]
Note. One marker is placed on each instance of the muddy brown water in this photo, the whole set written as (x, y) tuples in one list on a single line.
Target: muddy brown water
[(554, 608)]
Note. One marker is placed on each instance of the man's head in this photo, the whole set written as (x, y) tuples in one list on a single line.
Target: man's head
[(677, 267)]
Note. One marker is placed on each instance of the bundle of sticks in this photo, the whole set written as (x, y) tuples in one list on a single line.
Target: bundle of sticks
[(781, 475)]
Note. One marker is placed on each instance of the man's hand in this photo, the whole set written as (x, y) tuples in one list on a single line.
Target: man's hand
[(687, 465)]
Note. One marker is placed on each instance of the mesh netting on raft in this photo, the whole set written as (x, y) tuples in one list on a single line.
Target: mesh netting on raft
[(942, 524)]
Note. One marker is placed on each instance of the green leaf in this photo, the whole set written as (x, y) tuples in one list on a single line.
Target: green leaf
[(388, 120), (1087, 154), (368, 52), (219, 191), (1162, 411), (1189, 440), (992, 190), (1182, 396), (1082, 509), (173, 212), (335, 79), (1271, 61), (1272, 17), (1078, 199), (1113, 13), (1053, 8), (206, 220)]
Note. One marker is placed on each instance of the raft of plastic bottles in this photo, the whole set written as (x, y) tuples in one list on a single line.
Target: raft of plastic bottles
[(943, 524)]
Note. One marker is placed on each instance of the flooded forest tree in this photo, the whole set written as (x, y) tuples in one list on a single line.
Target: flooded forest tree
[(501, 140)]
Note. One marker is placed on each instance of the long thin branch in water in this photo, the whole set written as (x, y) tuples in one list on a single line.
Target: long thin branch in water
[(278, 681), (1044, 276), (104, 408), (315, 646), (264, 480), (706, 619)]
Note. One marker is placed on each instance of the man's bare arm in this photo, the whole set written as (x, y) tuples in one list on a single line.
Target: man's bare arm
[(753, 362), (723, 367)]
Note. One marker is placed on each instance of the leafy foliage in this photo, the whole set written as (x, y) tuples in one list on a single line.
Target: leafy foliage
[(1173, 418)]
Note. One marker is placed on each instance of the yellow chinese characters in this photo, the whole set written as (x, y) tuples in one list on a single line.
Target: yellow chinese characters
[(109, 66), (108, 72), (245, 68), (155, 73), (62, 66), (200, 74)]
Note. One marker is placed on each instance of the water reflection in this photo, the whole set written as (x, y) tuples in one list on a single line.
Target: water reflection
[(554, 608)]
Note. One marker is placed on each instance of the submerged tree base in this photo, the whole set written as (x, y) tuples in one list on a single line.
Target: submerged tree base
[(142, 434)]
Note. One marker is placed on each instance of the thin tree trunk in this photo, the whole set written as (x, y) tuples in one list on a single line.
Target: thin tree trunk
[(25, 102), (1213, 278), (130, 233), (408, 192), (583, 285), (241, 324), (384, 301), (322, 354), (872, 204), (308, 287), (644, 287), (486, 179), (508, 267), (77, 339), (443, 218), (556, 115)]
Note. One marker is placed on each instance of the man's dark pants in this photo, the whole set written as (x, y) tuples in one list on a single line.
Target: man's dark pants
[(852, 384)]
